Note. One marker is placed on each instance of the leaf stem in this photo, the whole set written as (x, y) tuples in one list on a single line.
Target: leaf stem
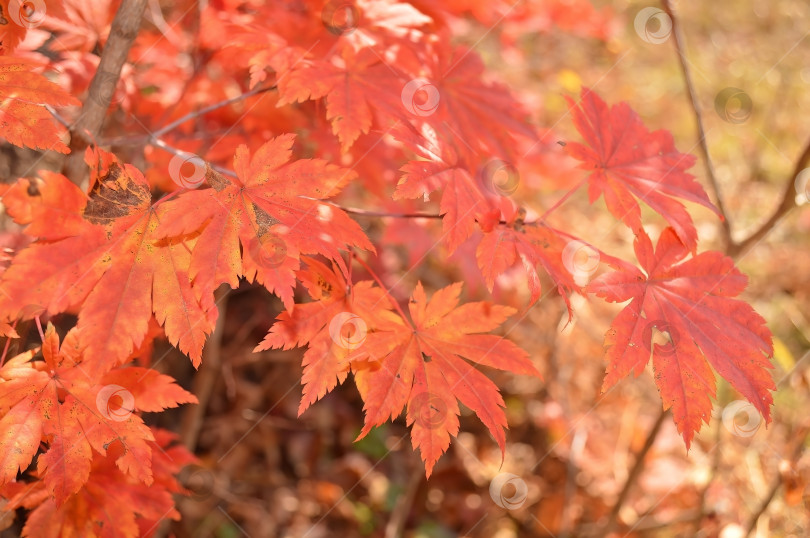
[(8, 343), (562, 200), (385, 289)]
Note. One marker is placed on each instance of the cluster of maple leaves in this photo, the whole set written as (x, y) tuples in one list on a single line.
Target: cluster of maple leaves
[(379, 88)]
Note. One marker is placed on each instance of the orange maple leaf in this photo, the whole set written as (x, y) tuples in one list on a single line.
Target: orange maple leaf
[(115, 267), (274, 208), (421, 366), (55, 402), (110, 503), (692, 304), (324, 325), (24, 121)]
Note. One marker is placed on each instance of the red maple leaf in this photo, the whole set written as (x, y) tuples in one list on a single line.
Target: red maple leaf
[(421, 366), (274, 208), (628, 162), (692, 304), (354, 84), (24, 120)]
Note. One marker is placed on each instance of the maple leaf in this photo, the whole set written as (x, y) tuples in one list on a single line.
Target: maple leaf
[(110, 503), (51, 208), (530, 246), (115, 267), (628, 162), (24, 121), (274, 208), (692, 304), (483, 115), (54, 402), (354, 85), (421, 366), (324, 324), (440, 167)]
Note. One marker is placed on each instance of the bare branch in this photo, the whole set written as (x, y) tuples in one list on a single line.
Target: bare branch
[(124, 29), (638, 465), (785, 206), (693, 99)]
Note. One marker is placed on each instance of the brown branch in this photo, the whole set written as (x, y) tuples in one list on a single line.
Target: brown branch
[(402, 508), (696, 109), (777, 481), (785, 206), (638, 465), (204, 381), (124, 29)]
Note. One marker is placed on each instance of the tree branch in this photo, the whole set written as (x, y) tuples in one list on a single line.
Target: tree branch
[(696, 109), (638, 465), (124, 29), (777, 481), (785, 206)]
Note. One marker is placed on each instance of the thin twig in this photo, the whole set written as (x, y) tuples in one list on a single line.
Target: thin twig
[(785, 206), (693, 98), (777, 481), (205, 110), (638, 465), (124, 29), (712, 474), (402, 508)]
